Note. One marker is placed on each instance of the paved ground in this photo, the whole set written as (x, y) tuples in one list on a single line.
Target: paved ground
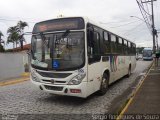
[(24, 98), (147, 99)]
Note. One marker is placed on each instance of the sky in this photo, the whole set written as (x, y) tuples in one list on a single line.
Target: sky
[(113, 14)]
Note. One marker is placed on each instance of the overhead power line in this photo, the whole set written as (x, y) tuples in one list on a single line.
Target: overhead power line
[(144, 15), (124, 24), (147, 7), (148, 20), (142, 6), (133, 28), (3, 19)]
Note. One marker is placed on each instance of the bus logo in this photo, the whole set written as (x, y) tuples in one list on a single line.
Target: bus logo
[(113, 63)]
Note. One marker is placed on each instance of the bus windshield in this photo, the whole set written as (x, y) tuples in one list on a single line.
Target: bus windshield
[(58, 51), (147, 53)]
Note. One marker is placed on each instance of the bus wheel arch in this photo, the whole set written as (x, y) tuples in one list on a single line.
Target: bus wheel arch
[(104, 83)]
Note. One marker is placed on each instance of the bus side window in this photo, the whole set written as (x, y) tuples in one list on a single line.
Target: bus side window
[(106, 42), (93, 46), (96, 44), (129, 48), (120, 47), (113, 43), (134, 49), (125, 45)]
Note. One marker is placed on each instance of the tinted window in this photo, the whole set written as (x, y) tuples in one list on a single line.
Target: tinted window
[(120, 41), (106, 42), (113, 38), (129, 44), (125, 48), (105, 35), (120, 46), (125, 42), (113, 44)]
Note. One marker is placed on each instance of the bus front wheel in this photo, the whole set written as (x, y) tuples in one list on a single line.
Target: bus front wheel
[(104, 84)]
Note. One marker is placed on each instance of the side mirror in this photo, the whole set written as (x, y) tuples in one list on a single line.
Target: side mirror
[(30, 54)]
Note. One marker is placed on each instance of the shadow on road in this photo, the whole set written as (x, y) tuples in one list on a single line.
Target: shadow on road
[(67, 100)]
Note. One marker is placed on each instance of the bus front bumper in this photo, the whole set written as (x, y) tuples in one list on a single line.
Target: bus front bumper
[(68, 90), (147, 58)]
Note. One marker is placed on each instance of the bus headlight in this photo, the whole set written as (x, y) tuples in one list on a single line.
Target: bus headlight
[(34, 77), (77, 79)]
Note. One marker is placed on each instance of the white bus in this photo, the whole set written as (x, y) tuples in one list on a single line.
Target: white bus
[(147, 54), (74, 56)]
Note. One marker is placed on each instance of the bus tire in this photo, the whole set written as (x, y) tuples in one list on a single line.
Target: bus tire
[(129, 71), (104, 84)]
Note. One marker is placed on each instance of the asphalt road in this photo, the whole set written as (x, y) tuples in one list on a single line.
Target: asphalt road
[(24, 98)]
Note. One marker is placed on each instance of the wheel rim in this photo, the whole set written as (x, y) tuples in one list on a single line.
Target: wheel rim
[(104, 83)]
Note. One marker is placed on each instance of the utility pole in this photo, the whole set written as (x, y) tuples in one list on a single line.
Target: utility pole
[(157, 40), (154, 31)]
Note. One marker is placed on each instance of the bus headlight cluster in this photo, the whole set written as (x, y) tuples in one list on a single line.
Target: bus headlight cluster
[(77, 79), (34, 77)]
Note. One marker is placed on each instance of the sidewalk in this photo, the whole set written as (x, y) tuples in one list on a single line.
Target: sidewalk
[(22, 78), (147, 98)]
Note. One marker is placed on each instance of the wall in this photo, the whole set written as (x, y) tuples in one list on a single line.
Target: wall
[(12, 64)]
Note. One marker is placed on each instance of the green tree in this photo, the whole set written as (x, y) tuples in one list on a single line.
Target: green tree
[(1, 48), (21, 25), (139, 50), (13, 36), (1, 34), (1, 41)]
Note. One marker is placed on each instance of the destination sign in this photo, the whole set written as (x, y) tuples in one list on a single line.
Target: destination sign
[(59, 25)]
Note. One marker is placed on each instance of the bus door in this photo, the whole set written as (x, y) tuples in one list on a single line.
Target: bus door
[(94, 60)]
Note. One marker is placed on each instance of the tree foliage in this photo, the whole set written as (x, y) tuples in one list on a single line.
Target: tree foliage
[(1, 34), (139, 50), (1, 41), (21, 25), (15, 34), (1, 48)]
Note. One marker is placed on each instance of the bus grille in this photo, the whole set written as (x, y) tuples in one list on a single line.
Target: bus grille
[(54, 75), (55, 88), (54, 81)]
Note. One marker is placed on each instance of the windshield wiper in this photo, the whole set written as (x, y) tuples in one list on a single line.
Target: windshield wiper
[(65, 33)]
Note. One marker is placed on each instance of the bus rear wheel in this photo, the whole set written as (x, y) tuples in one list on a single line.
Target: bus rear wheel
[(104, 85)]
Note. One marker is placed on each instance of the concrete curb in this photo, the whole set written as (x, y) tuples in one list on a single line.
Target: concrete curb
[(15, 81), (24, 77), (25, 74)]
